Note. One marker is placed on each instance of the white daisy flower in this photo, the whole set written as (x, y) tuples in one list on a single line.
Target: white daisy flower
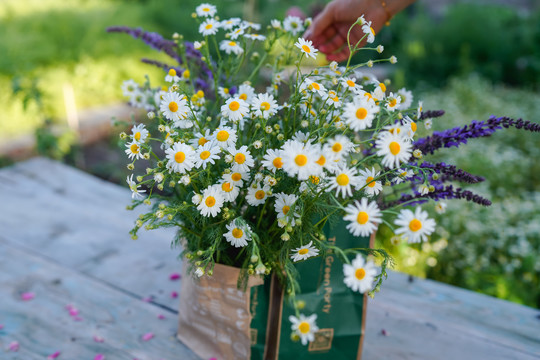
[(211, 202), (332, 98), (343, 180), (181, 158), (246, 92), (225, 137), (410, 127), (360, 275), (264, 105), (196, 199), (350, 84), (402, 175), (340, 146), (379, 92), (368, 30), (393, 102), (201, 139), (419, 109), (230, 46), (272, 160), (252, 25), (255, 37), (139, 133), (415, 226), (242, 159), (172, 77), (134, 187), (364, 218), (304, 252), (233, 35), (206, 154), (440, 207), (313, 86), (371, 186), (299, 159), (394, 148), (206, 10), (229, 191), (133, 150), (230, 23), (138, 99), (129, 88), (257, 195), (234, 109), (236, 177), (209, 27), (224, 92), (293, 24), (306, 46), (406, 97), (237, 235), (174, 107), (360, 113), (283, 205), (276, 24), (325, 160), (199, 271), (304, 327)]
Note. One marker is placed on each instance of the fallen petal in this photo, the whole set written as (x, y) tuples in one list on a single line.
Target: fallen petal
[(28, 296), (174, 294), (99, 357), (148, 299), (13, 346), (175, 276), (147, 336), (53, 356), (161, 317), (98, 339)]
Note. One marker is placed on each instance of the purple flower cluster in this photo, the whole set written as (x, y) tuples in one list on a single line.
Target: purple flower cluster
[(447, 192), (460, 135), (430, 114), (451, 172), (152, 39)]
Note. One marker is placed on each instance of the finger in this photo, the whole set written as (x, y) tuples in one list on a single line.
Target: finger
[(324, 37), (334, 44), (339, 56), (321, 22)]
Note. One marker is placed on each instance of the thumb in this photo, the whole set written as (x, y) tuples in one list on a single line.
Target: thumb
[(320, 23)]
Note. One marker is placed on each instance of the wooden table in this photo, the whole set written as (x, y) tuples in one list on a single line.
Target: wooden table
[(64, 237)]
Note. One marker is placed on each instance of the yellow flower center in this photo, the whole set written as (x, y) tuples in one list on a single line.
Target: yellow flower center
[(372, 31), (265, 106), (240, 158), (202, 141), (301, 160), (205, 154), (243, 97), (304, 327), (351, 83), (234, 105), (225, 90), (361, 113), (415, 225), (316, 86), (226, 186), (186, 74), (236, 176), (232, 43), (172, 72), (259, 194), (222, 135), (286, 209), (206, 9), (362, 217), (237, 233), (360, 273), (210, 201), (303, 251), (179, 157), (337, 147), (413, 126), (134, 148), (370, 182), (321, 161), (208, 26), (200, 93), (395, 130), (335, 99), (314, 179), (306, 49), (342, 179), (173, 106), (392, 102), (383, 87), (394, 148), (137, 136), (277, 163)]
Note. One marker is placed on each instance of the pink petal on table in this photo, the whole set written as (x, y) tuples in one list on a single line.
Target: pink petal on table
[(1, 326), (174, 294), (148, 299), (73, 311), (99, 357), (13, 346), (53, 356), (175, 276), (212, 359), (77, 318), (161, 317), (98, 339), (147, 336), (28, 296)]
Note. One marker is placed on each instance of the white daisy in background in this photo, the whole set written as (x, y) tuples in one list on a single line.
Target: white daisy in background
[(306, 46), (129, 87), (349, 83), (313, 86), (209, 27), (224, 92), (360, 275), (139, 133), (136, 193), (415, 226), (233, 35), (379, 92), (225, 137), (206, 10), (406, 97), (293, 24), (246, 92), (255, 37), (236, 177), (333, 99), (276, 24), (368, 30), (304, 252), (304, 327), (174, 107), (283, 205), (410, 127), (394, 148), (392, 102), (171, 76), (251, 25), (272, 160), (206, 154), (340, 146), (360, 113), (211, 202), (257, 195), (367, 179), (234, 109), (133, 150), (237, 235), (402, 175), (201, 139), (364, 217), (242, 159), (325, 160), (181, 158), (138, 99), (299, 159), (230, 46), (264, 105), (343, 180), (230, 23), (229, 191), (440, 207)]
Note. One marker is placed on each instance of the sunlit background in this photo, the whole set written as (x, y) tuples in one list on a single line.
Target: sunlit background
[(61, 72)]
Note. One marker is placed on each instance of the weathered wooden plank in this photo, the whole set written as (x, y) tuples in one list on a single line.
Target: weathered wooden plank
[(43, 325)]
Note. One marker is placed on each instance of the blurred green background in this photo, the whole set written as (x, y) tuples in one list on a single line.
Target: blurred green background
[(470, 59)]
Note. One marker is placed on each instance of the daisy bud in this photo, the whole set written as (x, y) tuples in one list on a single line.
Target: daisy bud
[(257, 126), (170, 217), (257, 144), (210, 272), (229, 158), (146, 156), (172, 184), (123, 135), (176, 36), (316, 72), (289, 228), (258, 177), (189, 256), (251, 271), (300, 304), (393, 59), (158, 177), (161, 128), (428, 123), (304, 123), (334, 81), (268, 129), (186, 180), (194, 15), (280, 137), (322, 237), (380, 49), (370, 63), (417, 153), (196, 199), (431, 188), (198, 45), (151, 115), (147, 202), (160, 187), (282, 222), (285, 237), (254, 258), (139, 178), (161, 206), (134, 237), (130, 166), (149, 170), (139, 223), (435, 176), (267, 271), (199, 272), (333, 66), (299, 222), (160, 214)]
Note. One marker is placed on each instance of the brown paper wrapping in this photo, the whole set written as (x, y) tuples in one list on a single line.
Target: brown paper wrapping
[(214, 316)]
